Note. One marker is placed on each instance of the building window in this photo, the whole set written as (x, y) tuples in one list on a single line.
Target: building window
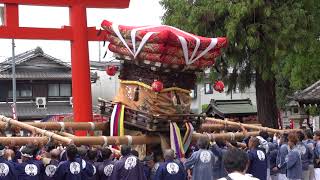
[(208, 88), (65, 90), (193, 94), (295, 110), (59, 90), (53, 90), (23, 90)]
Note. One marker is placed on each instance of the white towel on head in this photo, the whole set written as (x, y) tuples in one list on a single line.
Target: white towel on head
[(263, 144)]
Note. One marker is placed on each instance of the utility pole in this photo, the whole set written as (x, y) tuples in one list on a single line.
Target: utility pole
[(14, 88)]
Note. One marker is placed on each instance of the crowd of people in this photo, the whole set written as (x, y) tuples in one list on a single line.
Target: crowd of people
[(289, 156)]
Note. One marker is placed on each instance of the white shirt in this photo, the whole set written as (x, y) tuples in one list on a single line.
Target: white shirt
[(238, 176)]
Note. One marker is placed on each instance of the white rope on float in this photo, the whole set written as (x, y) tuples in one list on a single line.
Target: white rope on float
[(184, 45)]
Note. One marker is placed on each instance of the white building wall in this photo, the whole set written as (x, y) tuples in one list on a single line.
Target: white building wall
[(106, 87), (203, 98), (315, 121)]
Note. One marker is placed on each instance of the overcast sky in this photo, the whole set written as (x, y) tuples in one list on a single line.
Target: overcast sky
[(140, 12)]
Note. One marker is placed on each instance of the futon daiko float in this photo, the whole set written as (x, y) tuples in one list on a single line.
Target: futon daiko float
[(159, 66)]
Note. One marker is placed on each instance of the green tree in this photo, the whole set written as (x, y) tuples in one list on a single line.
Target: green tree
[(261, 33), (297, 72)]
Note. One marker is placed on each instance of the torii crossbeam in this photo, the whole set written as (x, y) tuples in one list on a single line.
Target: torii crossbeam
[(79, 35)]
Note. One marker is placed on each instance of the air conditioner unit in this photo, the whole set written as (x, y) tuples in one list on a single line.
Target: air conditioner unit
[(41, 102), (71, 101)]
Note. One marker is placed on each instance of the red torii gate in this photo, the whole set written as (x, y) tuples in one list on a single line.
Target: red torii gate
[(79, 35)]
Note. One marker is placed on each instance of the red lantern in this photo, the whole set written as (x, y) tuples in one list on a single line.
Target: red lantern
[(219, 86), (157, 86), (111, 70)]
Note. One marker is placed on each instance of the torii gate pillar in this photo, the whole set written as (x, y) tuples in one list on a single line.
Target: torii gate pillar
[(81, 90), (79, 35)]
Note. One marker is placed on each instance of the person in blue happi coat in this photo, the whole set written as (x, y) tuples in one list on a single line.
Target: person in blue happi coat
[(281, 157), (70, 169), (293, 161), (128, 167), (7, 170), (105, 168), (50, 169), (170, 169), (257, 160), (309, 142), (91, 168), (29, 169), (202, 161), (88, 170), (305, 153), (219, 148)]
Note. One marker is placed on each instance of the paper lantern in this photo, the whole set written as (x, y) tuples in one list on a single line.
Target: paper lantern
[(111, 70), (157, 86), (219, 86)]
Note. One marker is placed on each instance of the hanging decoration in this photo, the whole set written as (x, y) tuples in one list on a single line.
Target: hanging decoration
[(157, 86), (175, 140), (219, 86), (136, 94), (111, 70), (179, 145), (117, 120), (188, 136)]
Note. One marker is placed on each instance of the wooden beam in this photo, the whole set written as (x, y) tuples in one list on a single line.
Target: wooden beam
[(116, 151), (20, 141), (37, 130), (248, 126), (218, 128), (116, 140), (61, 126), (66, 3), (36, 33), (11, 15)]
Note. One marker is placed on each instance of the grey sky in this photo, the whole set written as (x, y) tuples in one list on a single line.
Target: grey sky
[(140, 12)]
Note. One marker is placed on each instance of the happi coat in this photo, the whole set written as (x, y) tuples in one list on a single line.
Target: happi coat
[(69, 170), (202, 163), (30, 170), (50, 170), (258, 163), (104, 169), (7, 170), (170, 170), (218, 168), (128, 168)]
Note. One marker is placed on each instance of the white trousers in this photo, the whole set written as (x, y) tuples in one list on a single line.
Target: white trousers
[(317, 173), (273, 177), (311, 172), (282, 177)]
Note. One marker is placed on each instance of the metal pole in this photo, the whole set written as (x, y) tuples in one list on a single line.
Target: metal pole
[(14, 88), (99, 51)]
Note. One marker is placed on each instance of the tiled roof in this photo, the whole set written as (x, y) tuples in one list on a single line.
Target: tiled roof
[(23, 57), (36, 75), (30, 111), (231, 107), (101, 65), (310, 95)]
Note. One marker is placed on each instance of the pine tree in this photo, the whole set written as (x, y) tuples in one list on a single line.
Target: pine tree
[(262, 34)]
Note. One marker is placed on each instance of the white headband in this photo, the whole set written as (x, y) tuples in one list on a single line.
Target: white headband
[(2, 152), (26, 155)]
